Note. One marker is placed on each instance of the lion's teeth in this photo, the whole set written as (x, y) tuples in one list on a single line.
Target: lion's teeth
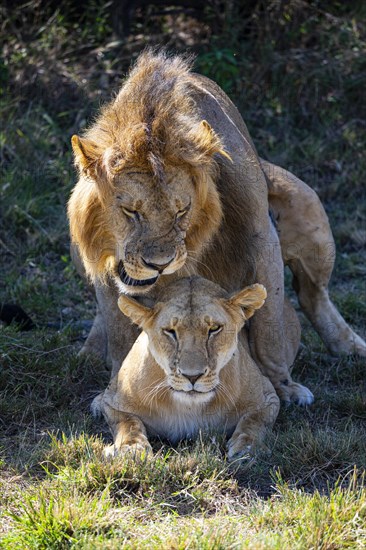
[(129, 281)]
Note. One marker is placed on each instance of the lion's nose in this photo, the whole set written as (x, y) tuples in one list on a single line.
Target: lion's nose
[(157, 265), (192, 378)]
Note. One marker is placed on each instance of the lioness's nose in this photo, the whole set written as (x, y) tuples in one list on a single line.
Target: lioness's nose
[(158, 265), (191, 378)]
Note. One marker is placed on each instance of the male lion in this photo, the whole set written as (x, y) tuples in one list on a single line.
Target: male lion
[(188, 372), (171, 184)]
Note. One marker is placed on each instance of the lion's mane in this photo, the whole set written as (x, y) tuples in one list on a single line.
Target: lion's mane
[(152, 124)]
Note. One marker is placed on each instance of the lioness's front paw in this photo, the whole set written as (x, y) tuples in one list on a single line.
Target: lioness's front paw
[(291, 392), (136, 450), (239, 447)]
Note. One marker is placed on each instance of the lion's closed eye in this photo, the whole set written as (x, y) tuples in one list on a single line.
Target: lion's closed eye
[(181, 213), (132, 214), (171, 333)]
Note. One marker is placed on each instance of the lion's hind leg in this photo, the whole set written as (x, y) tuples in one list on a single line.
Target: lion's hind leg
[(308, 248), (326, 319)]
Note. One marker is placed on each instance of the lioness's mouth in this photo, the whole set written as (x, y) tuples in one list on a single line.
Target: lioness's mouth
[(193, 392), (129, 281)]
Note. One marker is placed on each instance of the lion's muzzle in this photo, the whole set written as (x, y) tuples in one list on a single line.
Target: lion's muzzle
[(158, 264)]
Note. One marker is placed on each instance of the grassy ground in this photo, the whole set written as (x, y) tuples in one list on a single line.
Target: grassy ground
[(297, 72)]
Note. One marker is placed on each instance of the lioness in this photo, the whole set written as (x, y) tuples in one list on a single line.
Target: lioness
[(171, 184), (188, 371)]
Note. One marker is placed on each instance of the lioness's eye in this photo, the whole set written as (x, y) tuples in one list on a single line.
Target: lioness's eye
[(130, 213), (170, 332), (214, 329)]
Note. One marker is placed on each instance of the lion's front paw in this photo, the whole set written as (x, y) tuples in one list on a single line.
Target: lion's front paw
[(348, 344), (97, 405), (291, 392), (240, 447), (135, 450)]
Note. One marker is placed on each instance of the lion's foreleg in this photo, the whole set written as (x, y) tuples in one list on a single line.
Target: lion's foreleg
[(121, 334), (96, 342), (268, 332), (308, 248), (129, 433)]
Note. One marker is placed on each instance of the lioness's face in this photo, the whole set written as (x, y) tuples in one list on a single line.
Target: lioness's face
[(193, 331), (149, 220), (192, 340)]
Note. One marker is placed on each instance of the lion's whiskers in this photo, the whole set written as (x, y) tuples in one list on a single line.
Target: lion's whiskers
[(197, 261)]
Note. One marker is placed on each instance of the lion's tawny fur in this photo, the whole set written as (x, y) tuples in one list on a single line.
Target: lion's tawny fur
[(161, 148)]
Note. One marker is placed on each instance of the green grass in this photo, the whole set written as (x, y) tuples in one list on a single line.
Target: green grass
[(159, 503), (297, 73)]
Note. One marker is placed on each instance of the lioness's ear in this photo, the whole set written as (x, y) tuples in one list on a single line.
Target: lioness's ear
[(86, 153), (211, 141), (138, 313), (249, 299)]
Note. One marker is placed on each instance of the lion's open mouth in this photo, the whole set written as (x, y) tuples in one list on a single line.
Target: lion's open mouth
[(129, 281)]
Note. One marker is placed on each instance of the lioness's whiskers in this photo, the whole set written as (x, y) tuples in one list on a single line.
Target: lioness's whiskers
[(226, 395), (160, 393), (150, 387), (162, 390), (153, 384), (148, 399), (154, 389)]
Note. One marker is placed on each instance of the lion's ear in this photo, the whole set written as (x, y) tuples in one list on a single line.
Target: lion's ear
[(139, 314), (86, 154), (249, 299), (211, 141)]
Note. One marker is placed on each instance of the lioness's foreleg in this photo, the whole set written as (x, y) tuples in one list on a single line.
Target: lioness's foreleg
[(129, 433), (252, 426), (308, 248)]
